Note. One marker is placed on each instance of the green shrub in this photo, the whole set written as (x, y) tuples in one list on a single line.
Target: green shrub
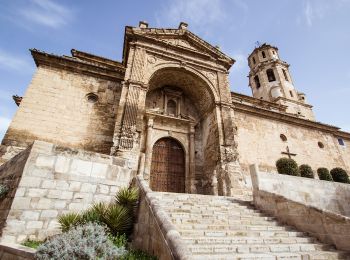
[(69, 220), (89, 241), (340, 175), (306, 171), (3, 191), (119, 240), (118, 219), (287, 166), (128, 198), (323, 174), (32, 243), (137, 255)]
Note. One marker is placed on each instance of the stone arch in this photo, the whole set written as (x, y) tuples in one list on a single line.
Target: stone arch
[(189, 69), (192, 82)]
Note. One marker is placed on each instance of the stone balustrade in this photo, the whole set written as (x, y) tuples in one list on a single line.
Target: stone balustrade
[(318, 207)]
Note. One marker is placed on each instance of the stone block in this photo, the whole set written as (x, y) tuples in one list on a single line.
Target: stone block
[(21, 203), (45, 161), (48, 184), (87, 187), (30, 215), (81, 168), (30, 182), (32, 192), (34, 224), (99, 170), (62, 164), (48, 214), (74, 186), (59, 194)]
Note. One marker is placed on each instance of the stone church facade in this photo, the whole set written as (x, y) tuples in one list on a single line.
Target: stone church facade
[(168, 111)]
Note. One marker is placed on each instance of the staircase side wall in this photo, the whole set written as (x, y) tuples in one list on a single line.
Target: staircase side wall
[(293, 201), (154, 232), (57, 180)]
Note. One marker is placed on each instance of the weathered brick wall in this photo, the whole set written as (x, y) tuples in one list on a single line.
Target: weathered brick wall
[(55, 109), (57, 180), (259, 143)]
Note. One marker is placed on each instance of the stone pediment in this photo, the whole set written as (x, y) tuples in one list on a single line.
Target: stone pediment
[(181, 39)]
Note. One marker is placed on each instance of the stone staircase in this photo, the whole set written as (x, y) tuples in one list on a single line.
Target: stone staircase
[(216, 227)]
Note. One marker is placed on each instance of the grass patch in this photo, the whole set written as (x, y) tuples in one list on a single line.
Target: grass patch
[(32, 243)]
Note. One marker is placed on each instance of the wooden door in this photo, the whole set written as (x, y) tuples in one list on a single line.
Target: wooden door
[(168, 166)]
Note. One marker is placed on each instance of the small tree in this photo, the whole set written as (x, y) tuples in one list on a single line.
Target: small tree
[(287, 166), (306, 171), (340, 175), (323, 174)]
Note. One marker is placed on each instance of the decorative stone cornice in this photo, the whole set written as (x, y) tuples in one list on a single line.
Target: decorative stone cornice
[(205, 50), (81, 62), (259, 111)]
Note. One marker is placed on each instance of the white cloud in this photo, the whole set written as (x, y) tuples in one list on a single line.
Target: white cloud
[(46, 13), (315, 10), (9, 61), (4, 124)]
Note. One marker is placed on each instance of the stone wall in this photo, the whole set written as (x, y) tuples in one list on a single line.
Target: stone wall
[(16, 252), (57, 180), (259, 142), (318, 207), (10, 176), (154, 231), (55, 109)]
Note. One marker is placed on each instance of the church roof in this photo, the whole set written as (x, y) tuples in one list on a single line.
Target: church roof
[(180, 38)]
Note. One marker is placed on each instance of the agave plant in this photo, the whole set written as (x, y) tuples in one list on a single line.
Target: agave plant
[(95, 213), (69, 220), (128, 197), (118, 219)]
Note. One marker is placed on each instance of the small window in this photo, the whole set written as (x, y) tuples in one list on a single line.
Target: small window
[(341, 142), (263, 54), (291, 93), (303, 98), (91, 97), (257, 81), (283, 137), (270, 75), (285, 75), (321, 145), (273, 52), (171, 108), (253, 60)]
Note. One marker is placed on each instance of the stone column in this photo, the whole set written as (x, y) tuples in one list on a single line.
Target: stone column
[(148, 150), (129, 117), (192, 166)]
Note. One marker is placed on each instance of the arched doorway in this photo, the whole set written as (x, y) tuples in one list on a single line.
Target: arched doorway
[(168, 166)]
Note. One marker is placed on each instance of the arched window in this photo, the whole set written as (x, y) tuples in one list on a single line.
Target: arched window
[(253, 60), (283, 137), (263, 54), (285, 75), (171, 108), (257, 81), (270, 75)]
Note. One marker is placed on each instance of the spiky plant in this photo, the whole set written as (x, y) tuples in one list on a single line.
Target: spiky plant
[(128, 197), (69, 220), (94, 213), (4, 189), (118, 219)]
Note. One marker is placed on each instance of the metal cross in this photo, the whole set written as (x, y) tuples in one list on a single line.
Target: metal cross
[(289, 153)]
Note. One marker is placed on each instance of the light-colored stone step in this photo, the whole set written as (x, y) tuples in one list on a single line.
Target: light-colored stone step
[(215, 227), (248, 240)]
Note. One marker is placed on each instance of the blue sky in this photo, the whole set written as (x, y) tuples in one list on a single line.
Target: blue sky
[(312, 35)]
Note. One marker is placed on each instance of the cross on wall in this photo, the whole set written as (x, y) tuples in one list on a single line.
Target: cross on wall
[(289, 153)]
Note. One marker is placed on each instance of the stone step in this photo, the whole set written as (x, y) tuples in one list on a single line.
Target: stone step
[(231, 221), (217, 215), (248, 240), (274, 256), (257, 248), (209, 210), (241, 233), (267, 227)]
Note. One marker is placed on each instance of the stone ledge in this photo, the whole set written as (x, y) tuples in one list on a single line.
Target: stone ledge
[(16, 251)]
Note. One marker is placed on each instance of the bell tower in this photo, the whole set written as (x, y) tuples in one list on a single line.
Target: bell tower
[(270, 80)]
